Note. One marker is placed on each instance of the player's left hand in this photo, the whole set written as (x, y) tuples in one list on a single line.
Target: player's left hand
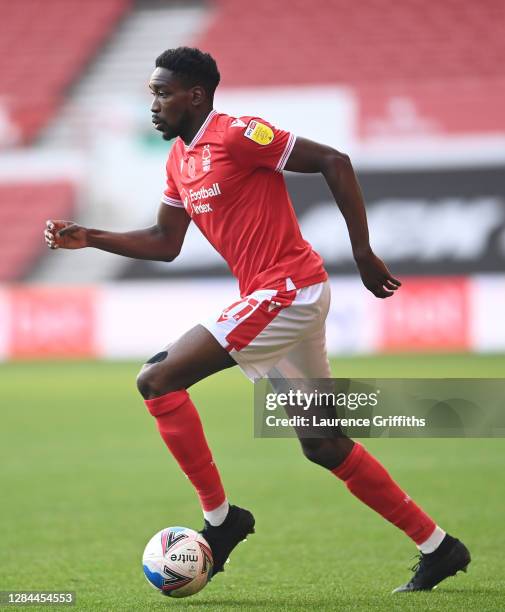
[(376, 277)]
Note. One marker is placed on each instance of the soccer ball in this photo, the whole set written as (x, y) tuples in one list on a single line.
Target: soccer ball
[(177, 562)]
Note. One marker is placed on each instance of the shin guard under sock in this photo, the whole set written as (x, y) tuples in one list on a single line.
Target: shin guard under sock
[(369, 481), (181, 429)]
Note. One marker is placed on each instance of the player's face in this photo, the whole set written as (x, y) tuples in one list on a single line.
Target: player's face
[(171, 104)]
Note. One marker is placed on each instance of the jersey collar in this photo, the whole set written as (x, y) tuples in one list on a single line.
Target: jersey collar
[(201, 131)]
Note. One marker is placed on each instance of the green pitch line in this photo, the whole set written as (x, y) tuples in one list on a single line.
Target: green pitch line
[(86, 481)]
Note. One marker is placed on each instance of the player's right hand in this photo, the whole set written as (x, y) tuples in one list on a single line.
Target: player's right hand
[(376, 277), (64, 235)]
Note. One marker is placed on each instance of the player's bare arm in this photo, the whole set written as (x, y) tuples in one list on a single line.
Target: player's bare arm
[(311, 157), (160, 242)]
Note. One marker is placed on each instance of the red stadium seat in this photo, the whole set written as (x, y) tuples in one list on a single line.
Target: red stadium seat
[(436, 54), (53, 41), (343, 41)]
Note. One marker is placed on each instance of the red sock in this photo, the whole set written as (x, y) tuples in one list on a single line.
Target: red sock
[(369, 481), (181, 429)]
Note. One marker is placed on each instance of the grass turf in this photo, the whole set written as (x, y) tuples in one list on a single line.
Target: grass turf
[(86, 481)]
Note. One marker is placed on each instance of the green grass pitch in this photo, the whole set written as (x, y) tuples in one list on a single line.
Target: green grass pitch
[(86, 481)]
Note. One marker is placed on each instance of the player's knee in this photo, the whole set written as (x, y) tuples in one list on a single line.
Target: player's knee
[(144, 383), (149, 383), (153, 382), (326, 452)]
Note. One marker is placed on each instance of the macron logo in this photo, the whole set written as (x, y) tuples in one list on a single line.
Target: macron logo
[(237, 123)]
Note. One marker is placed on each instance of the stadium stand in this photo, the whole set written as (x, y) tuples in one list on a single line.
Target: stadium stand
[(38, 97), (24, 208), (127, 62), (432, 64), (51, 49), (342, 41), (443, 60)]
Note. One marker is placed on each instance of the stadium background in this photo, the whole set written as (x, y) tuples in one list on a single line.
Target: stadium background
[(413, 92)]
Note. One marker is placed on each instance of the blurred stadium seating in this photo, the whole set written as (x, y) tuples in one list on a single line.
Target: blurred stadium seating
[(413, 91), (445, 58), (341, 41), (44, 46)]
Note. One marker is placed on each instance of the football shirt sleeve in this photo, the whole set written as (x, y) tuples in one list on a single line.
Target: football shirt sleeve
[(171, 194), (255, 143)]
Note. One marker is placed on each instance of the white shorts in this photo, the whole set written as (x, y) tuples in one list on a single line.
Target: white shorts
[(279, 334)]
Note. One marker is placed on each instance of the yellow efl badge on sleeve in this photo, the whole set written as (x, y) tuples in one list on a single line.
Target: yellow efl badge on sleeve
[(259, 132)]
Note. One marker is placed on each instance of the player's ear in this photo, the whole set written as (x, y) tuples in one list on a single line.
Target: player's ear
[(198, 95)]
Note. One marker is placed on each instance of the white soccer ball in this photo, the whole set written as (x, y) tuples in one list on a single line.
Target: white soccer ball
[(177, 562)]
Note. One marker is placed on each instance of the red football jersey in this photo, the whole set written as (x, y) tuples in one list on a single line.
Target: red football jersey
[(229, 180)]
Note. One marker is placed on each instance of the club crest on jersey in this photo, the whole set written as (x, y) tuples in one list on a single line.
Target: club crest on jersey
[(259, 132), (206, 157)]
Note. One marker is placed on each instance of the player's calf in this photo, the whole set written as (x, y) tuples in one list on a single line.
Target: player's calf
[(327, 452), (181, 429)]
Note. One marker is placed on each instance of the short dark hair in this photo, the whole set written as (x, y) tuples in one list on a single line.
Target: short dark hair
[(192, 67)]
